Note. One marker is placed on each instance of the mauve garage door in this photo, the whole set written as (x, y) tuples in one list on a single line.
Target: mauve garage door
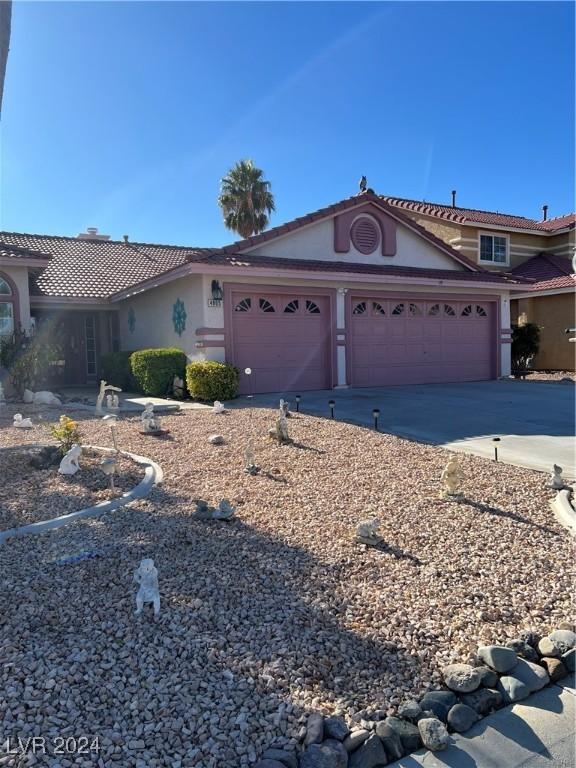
[(408, 341), (284, 338)]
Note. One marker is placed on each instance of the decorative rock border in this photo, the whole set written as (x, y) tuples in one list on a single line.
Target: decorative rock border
[(153, 475), (503, 674), (564, 511)]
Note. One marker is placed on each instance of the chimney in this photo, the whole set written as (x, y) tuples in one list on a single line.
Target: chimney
[(92, 234), (125, 239), (544, 212), (453, 198)]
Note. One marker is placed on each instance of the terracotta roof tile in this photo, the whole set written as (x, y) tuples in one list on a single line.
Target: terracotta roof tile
[(14, 252), (547, 271), (472, 215)]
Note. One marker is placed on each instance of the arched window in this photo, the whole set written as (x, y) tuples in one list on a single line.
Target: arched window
[(449, 311), (398, 309), (414, 310), (377, 308), (7, 307), (360, 308), (265, 305), (292, 306), (243, 305), (312, 308)]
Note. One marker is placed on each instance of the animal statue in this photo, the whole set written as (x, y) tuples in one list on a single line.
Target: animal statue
[(284, 408), (104, 387), (368, 529), (146, 576), (178, 387), (69, 464), (150, 421), (280, 431), (363, 184), (557, 483), (218, 407), (452, 477), (224, 511), (21, 423), (40, 398), (250, 460)]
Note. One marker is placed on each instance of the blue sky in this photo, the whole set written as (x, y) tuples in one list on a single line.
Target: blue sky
[(124, 116)]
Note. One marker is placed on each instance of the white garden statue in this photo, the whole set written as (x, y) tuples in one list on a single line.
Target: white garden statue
[(557, 481), (69, 464), (452, 477), (367, 531), (284, 408), (280, 431), (104, 388), (146, 576), (224, 511), (21, 423), (150, 420), (218, 407), (41, 398)]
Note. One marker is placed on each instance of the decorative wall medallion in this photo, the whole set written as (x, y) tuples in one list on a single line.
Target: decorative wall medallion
[(131, 320), (179, 317)]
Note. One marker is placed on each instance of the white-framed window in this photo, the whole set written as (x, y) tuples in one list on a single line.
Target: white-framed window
[(493, 248)]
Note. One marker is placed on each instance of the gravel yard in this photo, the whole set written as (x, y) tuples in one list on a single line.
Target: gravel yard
[(551, 376), (278, 612)]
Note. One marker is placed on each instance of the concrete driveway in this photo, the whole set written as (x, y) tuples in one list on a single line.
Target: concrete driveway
[(535, 420)]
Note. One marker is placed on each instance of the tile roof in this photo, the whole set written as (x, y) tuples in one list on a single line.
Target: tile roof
[(95, 268), (547, 272), (472, 215), (14, 252)]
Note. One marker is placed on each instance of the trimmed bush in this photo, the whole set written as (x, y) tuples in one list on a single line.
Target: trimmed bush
[(209, 380), (525, 346), (116, 370), (154, 369)]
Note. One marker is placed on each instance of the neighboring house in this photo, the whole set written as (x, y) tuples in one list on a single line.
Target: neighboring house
[(539, 250), (357, 293)]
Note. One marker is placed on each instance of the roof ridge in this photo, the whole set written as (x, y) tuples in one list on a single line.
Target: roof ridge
[(106, 242), (557, 261), (432, 204)]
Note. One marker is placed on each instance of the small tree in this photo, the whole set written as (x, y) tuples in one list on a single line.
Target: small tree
[(525, 345)]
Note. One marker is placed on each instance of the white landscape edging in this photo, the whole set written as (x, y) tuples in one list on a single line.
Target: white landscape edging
[(153, 475), (564, 511)]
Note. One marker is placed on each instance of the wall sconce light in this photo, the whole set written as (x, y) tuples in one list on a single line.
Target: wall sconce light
[(331, 404), (375, 415), (216, 291)]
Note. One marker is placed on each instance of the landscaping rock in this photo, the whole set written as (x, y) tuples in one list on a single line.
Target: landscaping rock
[(438, 708), (568, 659), (409, 710), (370, 755), (512, 689), (564, 639), (533, 675), (47, 457), (265, 763), (288, 759), (461, 678), (314, 729), (356, 739), (483, 700), (216, 439), (523, 649), (433, 734), (547, 647), (462, 717), (335, 728), (488, 678), (532, 638), (498, 657), (409, 733), (391, 741), (326, 755), (555, 668), (446, 697), (567, 625)]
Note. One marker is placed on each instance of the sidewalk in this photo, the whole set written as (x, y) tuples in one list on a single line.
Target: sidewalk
[(538, 732)]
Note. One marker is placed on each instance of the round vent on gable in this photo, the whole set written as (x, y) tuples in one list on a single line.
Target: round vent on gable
[(365, 235)]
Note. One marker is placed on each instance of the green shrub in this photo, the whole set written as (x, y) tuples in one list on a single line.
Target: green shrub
[(154, 369), (116, 370), (525, 345), (30, 359), (211, 381)]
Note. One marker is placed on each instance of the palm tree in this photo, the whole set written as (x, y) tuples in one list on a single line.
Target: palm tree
[(245, 199)]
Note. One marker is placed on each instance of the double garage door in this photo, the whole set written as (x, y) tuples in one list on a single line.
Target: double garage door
[(287, 340)]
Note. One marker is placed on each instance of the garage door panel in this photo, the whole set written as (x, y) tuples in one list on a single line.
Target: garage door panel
[(425, 342), (286, 349)]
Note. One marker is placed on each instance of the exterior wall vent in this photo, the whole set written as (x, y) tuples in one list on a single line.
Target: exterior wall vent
[(365, 235)]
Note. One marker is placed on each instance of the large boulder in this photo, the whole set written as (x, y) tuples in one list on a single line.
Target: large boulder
[(391, 741), (512, 689), (329, 754), (439, 708), (568, 659), (408, 732), (483, 700), (533, 675), (461, 678), (488, 677), (523, 649), (370, 755), (433, 734), (462, 717), (409, 710), (446, 697), (547, 647), (355, 739), (565, 639), (335, 728), (314, 729), (555, 668), (498, 657), (288, 759)]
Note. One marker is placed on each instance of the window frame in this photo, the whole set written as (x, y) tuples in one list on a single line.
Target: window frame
[(13, 299), (502, 235)]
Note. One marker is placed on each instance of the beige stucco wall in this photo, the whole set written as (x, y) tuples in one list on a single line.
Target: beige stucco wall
[(317, 242), (19, 275), (553, 314)]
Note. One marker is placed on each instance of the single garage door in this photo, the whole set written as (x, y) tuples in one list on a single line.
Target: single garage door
[(284, 338), (408, 341)]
